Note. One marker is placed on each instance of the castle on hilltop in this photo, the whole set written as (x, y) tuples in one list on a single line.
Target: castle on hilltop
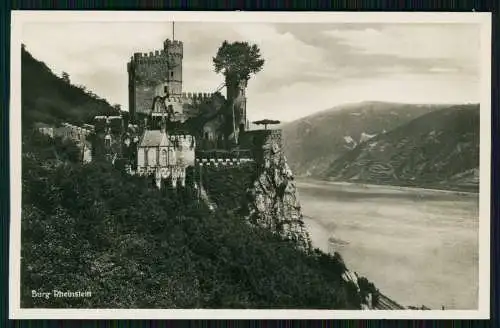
[(175, 138), (158, 73), (155, 88), (169, 129)]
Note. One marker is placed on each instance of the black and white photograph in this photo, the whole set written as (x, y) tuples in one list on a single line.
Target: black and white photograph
[(250, 165)]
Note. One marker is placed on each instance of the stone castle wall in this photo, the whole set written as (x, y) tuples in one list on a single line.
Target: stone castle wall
[(72, 132), (146, 71), (79, 135)]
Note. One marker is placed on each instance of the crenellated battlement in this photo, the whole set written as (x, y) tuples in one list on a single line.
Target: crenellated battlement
[(197, 95), (154, 74), (153, 58), (174, 47), (189, 96), (230, 161)]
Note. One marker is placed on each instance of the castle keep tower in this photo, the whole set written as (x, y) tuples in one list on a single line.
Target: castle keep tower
[(155, 74)]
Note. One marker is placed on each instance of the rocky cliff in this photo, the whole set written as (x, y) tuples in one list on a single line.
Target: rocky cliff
[(273, 197)]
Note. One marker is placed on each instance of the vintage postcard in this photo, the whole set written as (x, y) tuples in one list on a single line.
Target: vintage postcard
[(216, 165)]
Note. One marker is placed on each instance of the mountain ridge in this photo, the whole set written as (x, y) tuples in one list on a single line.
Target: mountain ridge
[(312, 143), (439, 149)]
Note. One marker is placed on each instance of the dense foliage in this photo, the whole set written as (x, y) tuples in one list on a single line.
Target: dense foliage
[(93, 228), (238, 60), (228, 186)]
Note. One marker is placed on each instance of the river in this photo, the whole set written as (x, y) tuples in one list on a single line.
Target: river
[(419, 246)]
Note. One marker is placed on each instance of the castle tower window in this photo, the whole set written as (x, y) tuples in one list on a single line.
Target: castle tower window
[(171, 74), (107, 141), (164, 157), (165, 89), (152, 157)]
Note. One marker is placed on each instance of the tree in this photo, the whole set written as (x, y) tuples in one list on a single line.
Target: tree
[(117, 108), (82, 87), (65, 77), (266, 122), (237, 61)]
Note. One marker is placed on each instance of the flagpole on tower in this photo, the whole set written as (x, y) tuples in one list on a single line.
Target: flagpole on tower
[(173, 31)]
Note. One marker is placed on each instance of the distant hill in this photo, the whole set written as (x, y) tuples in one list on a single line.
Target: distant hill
[(50, 99), (439, 149), (312, 143)]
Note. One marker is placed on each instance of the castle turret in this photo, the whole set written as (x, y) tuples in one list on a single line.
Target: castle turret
[(174, 50), (147, 71)]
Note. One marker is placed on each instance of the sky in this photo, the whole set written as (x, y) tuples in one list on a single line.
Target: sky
[(308, 67)]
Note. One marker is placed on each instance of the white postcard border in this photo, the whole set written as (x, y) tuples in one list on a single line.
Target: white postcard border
[(21, 17)]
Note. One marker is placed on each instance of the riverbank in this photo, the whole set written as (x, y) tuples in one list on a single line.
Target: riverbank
[(459, 189)]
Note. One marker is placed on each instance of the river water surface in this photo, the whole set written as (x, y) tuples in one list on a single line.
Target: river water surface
[(419, 247)]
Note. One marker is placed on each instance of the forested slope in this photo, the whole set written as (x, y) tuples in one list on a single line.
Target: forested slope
[(51, 99), (93, 227)]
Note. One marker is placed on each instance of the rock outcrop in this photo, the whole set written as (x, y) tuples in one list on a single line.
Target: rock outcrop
[(274, 202)]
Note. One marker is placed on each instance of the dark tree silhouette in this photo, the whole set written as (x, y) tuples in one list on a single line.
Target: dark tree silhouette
[(266, 122), (237, 61), (65, 77), (117, 107)]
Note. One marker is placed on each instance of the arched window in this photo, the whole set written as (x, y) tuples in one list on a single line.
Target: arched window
[(107, 140), (152, 157), (164, 157), (172, 158)]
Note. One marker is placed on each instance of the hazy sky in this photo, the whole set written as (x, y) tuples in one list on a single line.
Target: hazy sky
[(309, 67)]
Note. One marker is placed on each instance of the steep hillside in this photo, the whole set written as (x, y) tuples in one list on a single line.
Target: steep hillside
[(314, 142), (439, 149), (133, 246), (51, 99)]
